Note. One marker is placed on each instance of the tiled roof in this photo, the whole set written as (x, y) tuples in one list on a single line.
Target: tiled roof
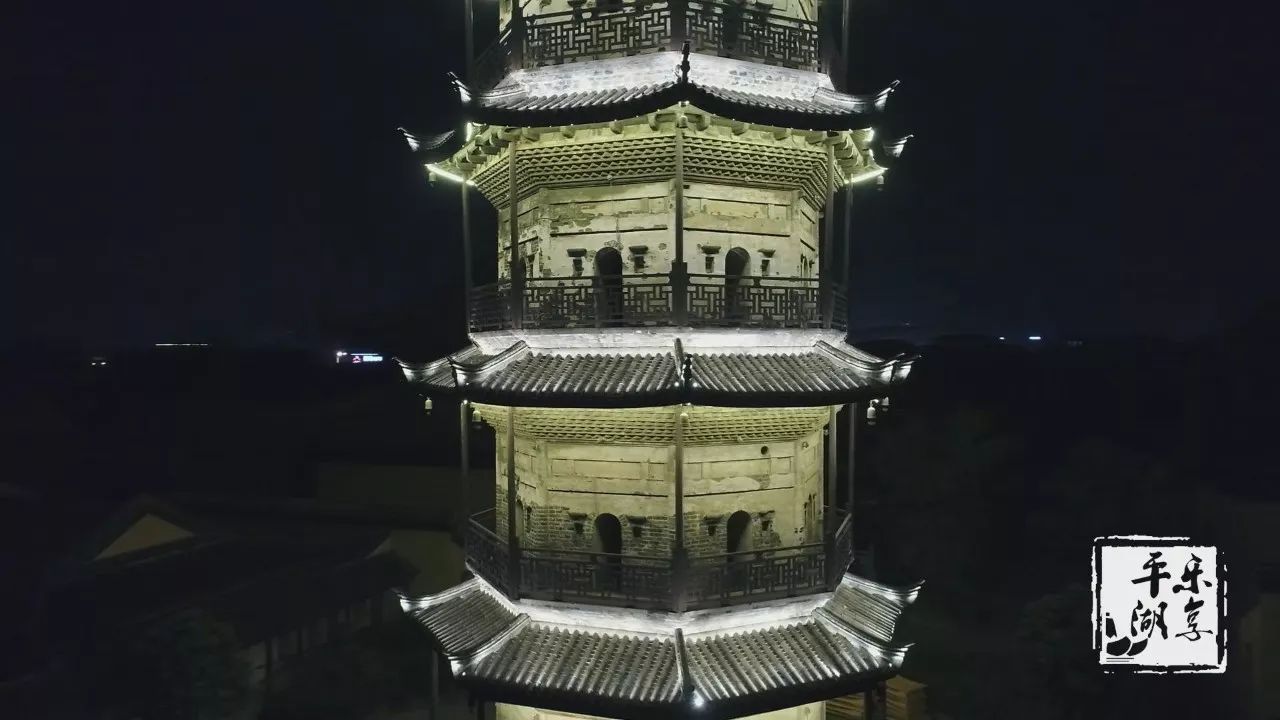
[(597, 377), (789, 658), (818, 374), (530, 655), (463, 618), (791, 373), (555, 660), (615, 88)]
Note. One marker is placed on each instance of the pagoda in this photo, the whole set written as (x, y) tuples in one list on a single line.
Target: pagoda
[(662, 359)]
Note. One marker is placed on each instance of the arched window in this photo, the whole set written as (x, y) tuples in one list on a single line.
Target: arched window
[(609, 540), (608, 534), (738, 532), (609, 286)]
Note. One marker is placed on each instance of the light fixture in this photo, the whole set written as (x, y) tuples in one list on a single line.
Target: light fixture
[(435, 170), (868, 175)]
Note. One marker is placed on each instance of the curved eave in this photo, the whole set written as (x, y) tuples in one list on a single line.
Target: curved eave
[(517, 378), (761, 110), (433, 148)]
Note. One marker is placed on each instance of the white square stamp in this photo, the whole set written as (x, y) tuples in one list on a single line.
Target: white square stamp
[(1159, 605)]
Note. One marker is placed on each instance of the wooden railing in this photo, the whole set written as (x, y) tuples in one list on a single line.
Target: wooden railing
[(663, 583), (717, 27), (650, 300)]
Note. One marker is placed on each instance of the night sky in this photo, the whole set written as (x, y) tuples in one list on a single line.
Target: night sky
[(231, 172)]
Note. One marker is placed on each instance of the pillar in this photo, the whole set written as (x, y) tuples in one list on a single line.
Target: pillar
[(513, 221), (435, 683), (466, 245), (826, 270), (513, 542), (679, 555), (679, 268), (852, 411)]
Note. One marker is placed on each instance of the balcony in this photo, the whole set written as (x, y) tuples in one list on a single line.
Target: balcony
[(744, 30), (659, 583), (650, 300)]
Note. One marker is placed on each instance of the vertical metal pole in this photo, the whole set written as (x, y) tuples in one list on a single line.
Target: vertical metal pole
[(464, 446), (848, 252), (826, 270), (678, 559), (852, 460), (679, 268), (832, 467), (469, 39), (679, 10), (466, 252), (435, 683), (513, 542)]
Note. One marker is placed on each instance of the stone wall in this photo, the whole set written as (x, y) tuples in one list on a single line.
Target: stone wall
[(562, 230), (564, 489)]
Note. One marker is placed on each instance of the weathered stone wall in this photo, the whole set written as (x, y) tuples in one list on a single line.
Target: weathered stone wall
[(777, 228), (564, 488)]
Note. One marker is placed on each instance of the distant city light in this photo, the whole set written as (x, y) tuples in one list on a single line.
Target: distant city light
[(1001, 338), (1033, 338), (171, 345)]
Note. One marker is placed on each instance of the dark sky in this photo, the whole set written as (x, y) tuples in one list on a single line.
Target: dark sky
[(230, 171)]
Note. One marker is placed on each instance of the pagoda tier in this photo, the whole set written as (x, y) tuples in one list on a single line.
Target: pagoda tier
[(642, 368), (635, 664)]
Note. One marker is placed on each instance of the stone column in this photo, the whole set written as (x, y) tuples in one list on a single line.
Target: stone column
[(679, 268), (513, 220), (826, 270)]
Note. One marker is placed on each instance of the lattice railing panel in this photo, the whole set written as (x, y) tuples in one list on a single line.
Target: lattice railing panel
[(565, 37), (486, 554), (647, 300), (756, 302), (731, 29)]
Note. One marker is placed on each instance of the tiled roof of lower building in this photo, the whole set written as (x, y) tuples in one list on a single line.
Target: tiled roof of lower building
[(726, 663)]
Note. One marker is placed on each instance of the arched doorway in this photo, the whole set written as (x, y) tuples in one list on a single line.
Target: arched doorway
[(609, 540), (608, 286), (738, 532), (737, 266)]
